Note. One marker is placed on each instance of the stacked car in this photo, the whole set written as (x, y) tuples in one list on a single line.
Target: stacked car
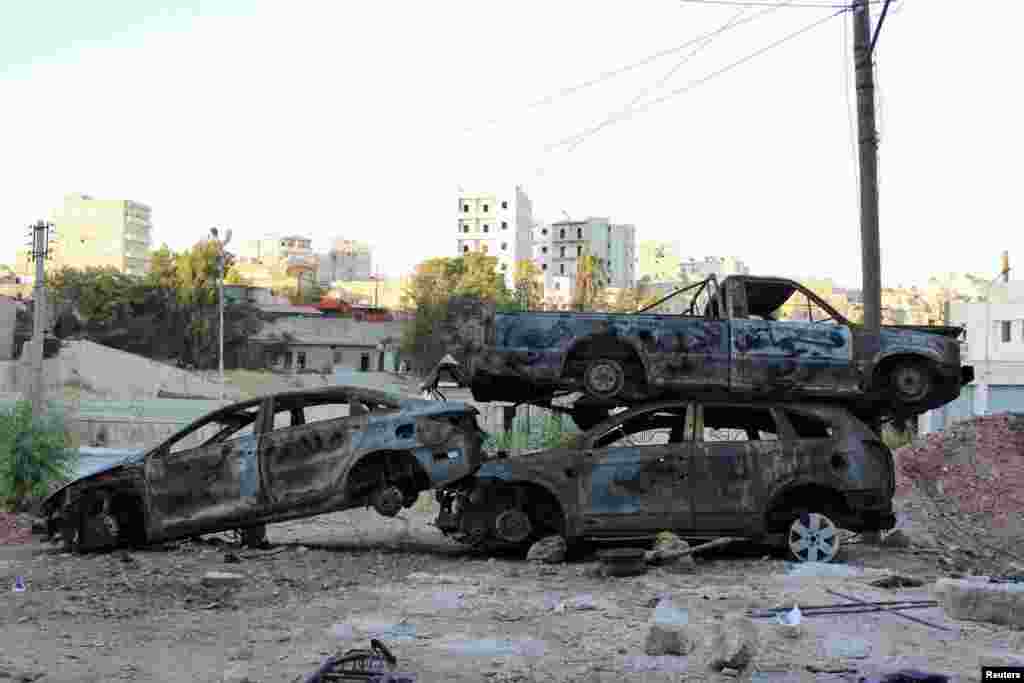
[(754, 411)]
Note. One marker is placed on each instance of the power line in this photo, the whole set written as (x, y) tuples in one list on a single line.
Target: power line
[(615, 118), (664, 79), (767, 3), (570, 90)]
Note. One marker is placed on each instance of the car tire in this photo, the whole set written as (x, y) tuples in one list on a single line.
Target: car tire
[(604, 378), (909, 382), (812, 537)]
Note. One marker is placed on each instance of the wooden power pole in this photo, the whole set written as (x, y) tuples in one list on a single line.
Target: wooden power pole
[(40, 252), (868, 144)]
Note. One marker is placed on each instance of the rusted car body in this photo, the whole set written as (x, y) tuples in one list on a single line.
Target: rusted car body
[(729, 342), (271, 459), (701, 469)]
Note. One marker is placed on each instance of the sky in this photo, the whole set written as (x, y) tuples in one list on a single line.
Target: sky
[(362, 120)]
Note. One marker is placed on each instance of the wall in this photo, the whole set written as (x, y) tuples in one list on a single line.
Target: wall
[(8, 321), (328, 331)]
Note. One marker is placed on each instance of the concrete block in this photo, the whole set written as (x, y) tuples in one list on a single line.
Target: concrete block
[(735, 643), (668, 639), (222, 579), (996, 603)]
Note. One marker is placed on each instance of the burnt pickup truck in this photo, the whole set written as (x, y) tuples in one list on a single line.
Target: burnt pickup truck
[(760, 337)]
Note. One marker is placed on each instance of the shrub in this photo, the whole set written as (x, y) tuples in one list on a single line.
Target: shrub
[(34, 452)]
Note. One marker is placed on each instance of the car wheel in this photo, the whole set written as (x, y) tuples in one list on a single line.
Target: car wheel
[(604, 378), (910, 382), (513, 526), (813, 537)]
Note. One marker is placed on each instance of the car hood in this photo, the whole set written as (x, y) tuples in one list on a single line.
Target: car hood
[(104, 460)]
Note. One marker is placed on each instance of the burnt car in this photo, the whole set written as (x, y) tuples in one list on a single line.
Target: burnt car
[(783, 474), (270, 459), (750, 338)]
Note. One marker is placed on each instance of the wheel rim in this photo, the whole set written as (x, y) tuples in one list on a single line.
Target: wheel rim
[(911, 383), (513, 526), (813, 538), (604, 378)]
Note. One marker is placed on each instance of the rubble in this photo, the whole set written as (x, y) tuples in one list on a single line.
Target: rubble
[(671, 552), (669, 631), (997, 603), (222, 579), (897, 538), (735, 643), (549, 550), (12, 529)]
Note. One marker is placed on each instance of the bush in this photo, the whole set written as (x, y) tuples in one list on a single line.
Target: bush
[(34, 452), (545, 433)]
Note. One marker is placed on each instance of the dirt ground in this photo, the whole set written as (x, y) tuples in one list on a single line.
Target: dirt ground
[(329, 583)]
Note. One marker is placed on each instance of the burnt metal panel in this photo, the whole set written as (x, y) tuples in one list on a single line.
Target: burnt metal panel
[(727, 491), (770, 356)]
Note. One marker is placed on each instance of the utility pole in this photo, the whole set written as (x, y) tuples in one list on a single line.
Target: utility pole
[(40, 252), (868, 143)]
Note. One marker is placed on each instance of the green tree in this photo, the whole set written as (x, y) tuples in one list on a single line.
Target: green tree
[(99, 295), (34, 451), (234, 277), (591, 281), (529, 287)]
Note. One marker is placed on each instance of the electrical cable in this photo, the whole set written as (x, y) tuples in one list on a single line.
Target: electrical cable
[(573, 89), (686, 58), (766, 3), (690, 86)]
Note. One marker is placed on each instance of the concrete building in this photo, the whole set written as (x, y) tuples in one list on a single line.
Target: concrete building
[(8, 323), (713, 265), (558, 247), (275, 247), (498, 224), (999, 373), (659, 261), (346, 261), (325, 344), (96, 233)]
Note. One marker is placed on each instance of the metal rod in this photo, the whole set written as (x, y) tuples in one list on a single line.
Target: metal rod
[(905, 616), (931, 603)]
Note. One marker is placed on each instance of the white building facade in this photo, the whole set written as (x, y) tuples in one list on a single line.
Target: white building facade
[(497, 224), (346, 261), (995, 347), (719, 266), (558, 247)]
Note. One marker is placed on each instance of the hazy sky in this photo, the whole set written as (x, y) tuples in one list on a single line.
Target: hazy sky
[(342, 118)]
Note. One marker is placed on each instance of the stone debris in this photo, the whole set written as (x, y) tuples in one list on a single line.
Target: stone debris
[(669, 631), (549, 550), (997, 603), (222, 579), (671, 552), (897, 538), (735, 643)]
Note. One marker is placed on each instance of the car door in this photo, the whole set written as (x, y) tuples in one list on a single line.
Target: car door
[(634, 481), (306, 448), (691, 351), (808, 352), (733, 443), (206, 478)]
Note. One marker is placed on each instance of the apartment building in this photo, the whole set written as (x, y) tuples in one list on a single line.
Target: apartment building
[(718, 266), (346, 261), (497, 224), (659, 261), (558, 247), (96, 233)]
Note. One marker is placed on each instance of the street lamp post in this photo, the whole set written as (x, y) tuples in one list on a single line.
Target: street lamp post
[(220, 298), (988, 331)]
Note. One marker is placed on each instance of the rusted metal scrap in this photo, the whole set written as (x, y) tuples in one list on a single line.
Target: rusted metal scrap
[(375, 665)]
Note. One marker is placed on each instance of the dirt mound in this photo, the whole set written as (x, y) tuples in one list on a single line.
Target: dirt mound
[(967, 482)]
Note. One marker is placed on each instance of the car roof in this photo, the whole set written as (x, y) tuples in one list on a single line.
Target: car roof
[(823, 410)]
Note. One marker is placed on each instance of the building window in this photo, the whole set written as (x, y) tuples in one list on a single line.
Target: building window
[(561, 268), (544, 231), (300, 360), (487, 228), (465, 228), (504, 204), (579, 233), (562, 252), (1006, 330), (364, 362), (465, 249), (504, 225), (543, 250), (504, 246), (337, 357), (465, 208), (561, 233), (579, 250), (484, 249), (504, 266), (544, 266), (485, 208), (558, 285)]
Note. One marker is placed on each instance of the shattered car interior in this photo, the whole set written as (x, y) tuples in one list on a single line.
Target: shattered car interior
[(279, 457)]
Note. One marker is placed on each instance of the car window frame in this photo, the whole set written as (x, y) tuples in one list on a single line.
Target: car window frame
[(604, 429), (783, 430), (795, 436), (165, 447)]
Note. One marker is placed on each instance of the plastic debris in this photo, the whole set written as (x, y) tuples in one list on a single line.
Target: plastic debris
[(670, 663), (483, 648), (19, 584), (819, 569), (843, 645), (668, 614), (791, 618), (402, 630)]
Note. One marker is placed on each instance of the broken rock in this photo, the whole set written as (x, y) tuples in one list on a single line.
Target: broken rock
[(222, 579), (671, 552), (997, 603), (897, 538), (735, 643), (549, 550), (668, 639)]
